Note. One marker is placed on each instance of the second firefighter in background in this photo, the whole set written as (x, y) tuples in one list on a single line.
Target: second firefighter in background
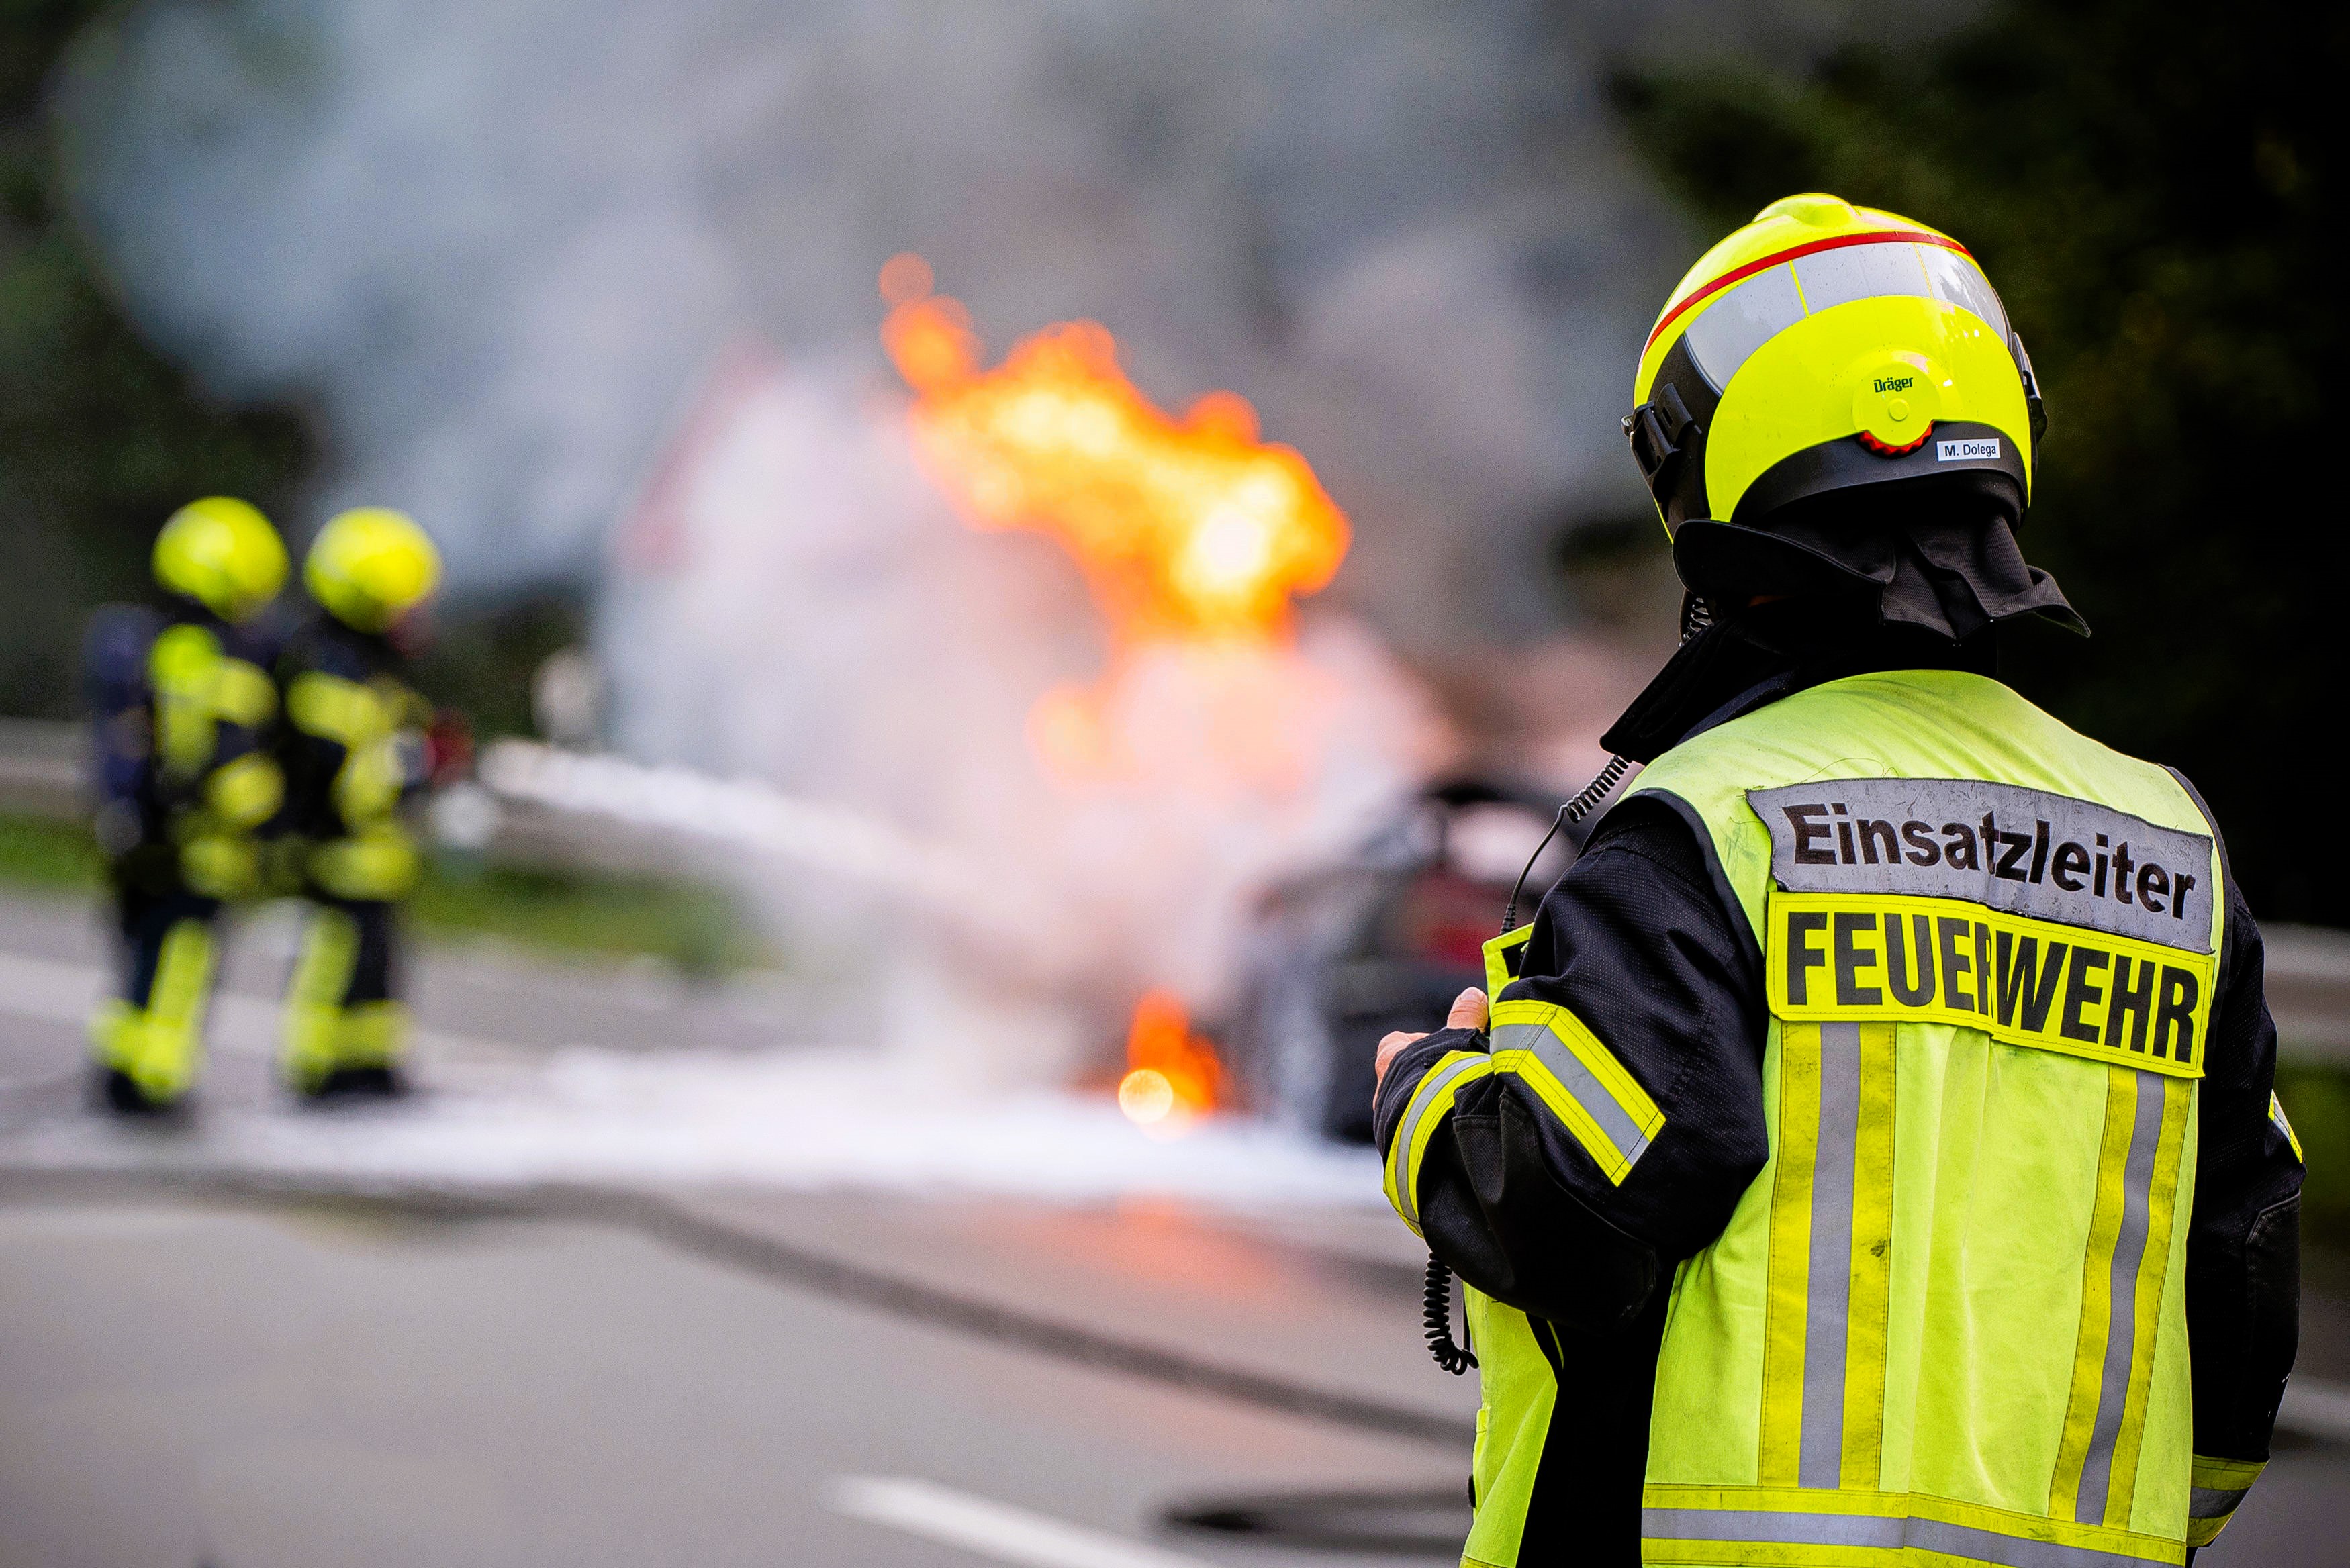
[(352, 747), (181, 709)]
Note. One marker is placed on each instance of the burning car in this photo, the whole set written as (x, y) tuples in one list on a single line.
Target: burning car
[(1380, 942)]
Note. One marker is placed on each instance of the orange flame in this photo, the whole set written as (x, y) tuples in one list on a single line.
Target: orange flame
[(1172, 1075), (1186, 529)]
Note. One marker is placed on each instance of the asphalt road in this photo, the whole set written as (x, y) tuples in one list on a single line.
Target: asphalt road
[(199, 1367), (282, 1389)]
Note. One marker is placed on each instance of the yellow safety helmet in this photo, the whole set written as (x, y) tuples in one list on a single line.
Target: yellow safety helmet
[(1824, 347), (371, 566), (221, 553)]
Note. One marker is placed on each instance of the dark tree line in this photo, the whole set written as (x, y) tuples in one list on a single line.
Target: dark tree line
[(101, 437), (2152, 187)]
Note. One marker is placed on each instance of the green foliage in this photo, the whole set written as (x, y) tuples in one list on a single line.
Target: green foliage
[(38, 852), (2153, 189), (2317, 1101), (101, 438), (695, 926)]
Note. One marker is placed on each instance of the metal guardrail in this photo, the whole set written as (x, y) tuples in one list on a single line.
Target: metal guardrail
[(42, 771), (2309, 992), (41, 767)]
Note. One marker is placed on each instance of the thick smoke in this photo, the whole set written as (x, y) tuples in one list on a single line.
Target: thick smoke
[(499, 242)]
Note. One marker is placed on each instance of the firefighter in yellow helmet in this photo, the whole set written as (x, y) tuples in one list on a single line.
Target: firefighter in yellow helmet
[(179, 706), (1869, 1151), (353, 750)]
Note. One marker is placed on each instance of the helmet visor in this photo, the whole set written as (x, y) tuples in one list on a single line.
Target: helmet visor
[(1759, 308)]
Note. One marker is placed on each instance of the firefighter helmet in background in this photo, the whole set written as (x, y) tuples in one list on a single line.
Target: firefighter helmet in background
[(1823, 348), (222, 553), (372, 565)]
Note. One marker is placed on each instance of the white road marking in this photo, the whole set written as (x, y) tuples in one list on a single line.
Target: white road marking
[(992, 1529)]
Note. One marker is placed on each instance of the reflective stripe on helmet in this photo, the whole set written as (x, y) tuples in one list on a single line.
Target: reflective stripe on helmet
[(1771, 298), (1698, 295)]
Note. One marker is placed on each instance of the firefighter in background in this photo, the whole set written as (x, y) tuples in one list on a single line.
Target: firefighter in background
[(180, 707), (1870, 1153), (352, 746)]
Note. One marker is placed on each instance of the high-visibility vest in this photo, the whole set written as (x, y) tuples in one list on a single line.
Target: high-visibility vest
[(1947, 1322)]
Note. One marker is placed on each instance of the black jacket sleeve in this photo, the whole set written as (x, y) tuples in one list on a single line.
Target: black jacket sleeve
[(2243, 1241), (1644, 943)]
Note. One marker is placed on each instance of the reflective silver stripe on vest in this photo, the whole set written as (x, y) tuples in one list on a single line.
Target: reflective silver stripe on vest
[(1586, 1091), (2209, 1502), (1867, 1530), (1827, 1313), (1408, 1130), (2121, 1304)]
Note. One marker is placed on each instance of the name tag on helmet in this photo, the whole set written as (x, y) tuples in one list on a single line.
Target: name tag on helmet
[(1973, 448)]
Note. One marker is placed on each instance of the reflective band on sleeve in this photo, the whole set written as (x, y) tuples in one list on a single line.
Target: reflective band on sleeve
[(241, 694), (1421, 1117), (246, 791), (1548, 1049), (337, 709), (2277, 1115), (182, 668), (2203, 1502), (2219, 1485), (1965, 1543), (2128, 1256), (2226, 1475)]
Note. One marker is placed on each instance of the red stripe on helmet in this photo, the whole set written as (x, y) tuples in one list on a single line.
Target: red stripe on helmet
[(1738, 275)]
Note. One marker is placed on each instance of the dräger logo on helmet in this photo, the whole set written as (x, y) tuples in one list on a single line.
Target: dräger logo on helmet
[(1893, 383), (2023, 850), (1969, 449)]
